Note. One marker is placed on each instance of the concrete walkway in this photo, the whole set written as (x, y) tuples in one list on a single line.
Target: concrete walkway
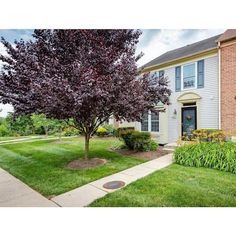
[(14, 193), (34, 139), (86, 194)]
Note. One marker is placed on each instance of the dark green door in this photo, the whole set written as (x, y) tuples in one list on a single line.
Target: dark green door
[(189, 120)]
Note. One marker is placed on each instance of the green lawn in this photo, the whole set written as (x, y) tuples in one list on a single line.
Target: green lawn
[(176, 186), (41, 164), (13, 138)]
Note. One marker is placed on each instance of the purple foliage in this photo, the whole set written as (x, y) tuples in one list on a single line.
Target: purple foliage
[(87, 75)]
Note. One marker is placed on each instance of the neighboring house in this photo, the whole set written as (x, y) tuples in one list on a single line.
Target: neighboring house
[(202, 77), (227, 52)]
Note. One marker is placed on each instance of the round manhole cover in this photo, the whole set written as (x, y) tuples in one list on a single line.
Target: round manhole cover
[(114, 184)]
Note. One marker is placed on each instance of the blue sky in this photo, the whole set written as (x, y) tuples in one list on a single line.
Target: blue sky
[(153, 42)]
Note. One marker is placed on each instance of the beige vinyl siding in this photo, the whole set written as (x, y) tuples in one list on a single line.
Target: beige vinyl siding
[(207, 105)]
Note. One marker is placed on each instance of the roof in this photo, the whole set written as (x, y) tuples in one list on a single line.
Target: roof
[(227, 35), (201, 46)]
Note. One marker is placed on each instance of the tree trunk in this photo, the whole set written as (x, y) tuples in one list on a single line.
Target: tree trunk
[(60, 131), (86, 150), (46, 131)]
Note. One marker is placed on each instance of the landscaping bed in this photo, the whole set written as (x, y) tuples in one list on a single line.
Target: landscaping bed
[(147, 156)]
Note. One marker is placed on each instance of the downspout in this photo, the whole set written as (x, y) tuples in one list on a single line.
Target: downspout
[(219, 90)]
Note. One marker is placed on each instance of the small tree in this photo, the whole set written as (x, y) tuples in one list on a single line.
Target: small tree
[(87, 75), (59, 125), (19, 125), (41, 121)]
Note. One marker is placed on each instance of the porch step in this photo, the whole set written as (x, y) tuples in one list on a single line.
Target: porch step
[(169, 149), (170, 146)]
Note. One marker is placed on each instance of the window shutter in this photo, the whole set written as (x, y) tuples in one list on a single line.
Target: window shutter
[(177, 78), (161, 73), (200, 74)]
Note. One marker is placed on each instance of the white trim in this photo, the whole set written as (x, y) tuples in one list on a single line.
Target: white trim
[(182, 79), (181, 63), (219, 89), (150, 124)]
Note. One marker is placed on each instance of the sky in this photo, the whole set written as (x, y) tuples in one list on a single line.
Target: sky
[(152, 42)]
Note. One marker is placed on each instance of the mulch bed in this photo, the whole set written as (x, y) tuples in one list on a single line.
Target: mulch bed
[(85, 163), (151, 155)]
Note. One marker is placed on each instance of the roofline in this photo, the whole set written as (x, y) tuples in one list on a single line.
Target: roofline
[(179, 59), (225, 40)]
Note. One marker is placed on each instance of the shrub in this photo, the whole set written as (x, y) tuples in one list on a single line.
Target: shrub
[(101, 132), (208, 135), (221, 156), (111, 131), (70, 131), (140, 141), (122, 129), (4, 131)]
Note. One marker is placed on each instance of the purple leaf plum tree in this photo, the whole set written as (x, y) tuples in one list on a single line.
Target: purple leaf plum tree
[(87, 75)]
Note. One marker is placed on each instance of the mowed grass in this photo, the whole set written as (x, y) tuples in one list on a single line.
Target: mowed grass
[(42, 164), (176, 186), (14, 138)]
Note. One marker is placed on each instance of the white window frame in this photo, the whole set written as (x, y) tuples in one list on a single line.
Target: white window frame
[(182, 76), (150, 124)]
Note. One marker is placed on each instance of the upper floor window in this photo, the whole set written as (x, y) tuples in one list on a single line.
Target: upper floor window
[(189, 76)]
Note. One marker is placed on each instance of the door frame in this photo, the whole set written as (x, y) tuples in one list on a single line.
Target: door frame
[(188, 108)]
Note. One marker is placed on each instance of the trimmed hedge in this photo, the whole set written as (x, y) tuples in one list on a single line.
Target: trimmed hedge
[(220, 156), (140, 141)]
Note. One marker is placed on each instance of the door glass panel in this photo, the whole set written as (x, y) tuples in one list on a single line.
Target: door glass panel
[(189, 120)]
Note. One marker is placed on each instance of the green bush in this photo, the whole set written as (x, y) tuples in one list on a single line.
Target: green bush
[(111, 131), (101, 132), (208, 135), (70, 131), (140, 141), (4, 131), (221, 156), (122, 129)]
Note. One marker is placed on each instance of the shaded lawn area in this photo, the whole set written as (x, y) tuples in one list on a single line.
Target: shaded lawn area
[(176, 186), (41, 164)]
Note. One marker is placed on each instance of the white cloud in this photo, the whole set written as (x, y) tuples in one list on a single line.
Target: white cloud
[(5, 109), (166, 40), (2, 50)]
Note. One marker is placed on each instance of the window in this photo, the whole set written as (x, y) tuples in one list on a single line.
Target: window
[(150, 122), (144, 123), (154, 122), (161, 73), (189, 104), (189, 76)]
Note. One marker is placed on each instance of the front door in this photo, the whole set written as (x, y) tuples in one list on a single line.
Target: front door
[(189, 120)]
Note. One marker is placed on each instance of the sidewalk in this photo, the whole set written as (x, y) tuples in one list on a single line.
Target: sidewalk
[(14, 193), (32, 139), (86, 194)]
